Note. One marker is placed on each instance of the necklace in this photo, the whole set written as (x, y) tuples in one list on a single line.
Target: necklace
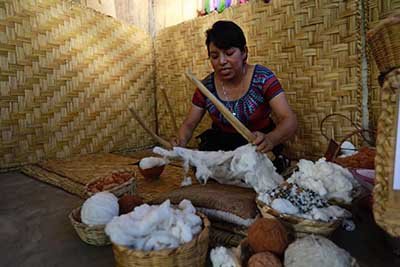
[(229, 102), (232, 107)]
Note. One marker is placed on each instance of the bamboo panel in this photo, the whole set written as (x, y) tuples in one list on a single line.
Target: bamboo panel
[(386, 206), (312, 46), (68, 75)]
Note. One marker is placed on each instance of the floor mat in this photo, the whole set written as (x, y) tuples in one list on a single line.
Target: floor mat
[(75, 173)]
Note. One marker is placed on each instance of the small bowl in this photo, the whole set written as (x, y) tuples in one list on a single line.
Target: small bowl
[(152, 173)]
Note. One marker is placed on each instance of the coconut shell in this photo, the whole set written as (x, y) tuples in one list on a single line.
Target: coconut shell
[(128, 202), (264, 259), (268, 234)]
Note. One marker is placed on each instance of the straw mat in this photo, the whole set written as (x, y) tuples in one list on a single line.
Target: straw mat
[(169, 180), (85, 168), (75, 173)]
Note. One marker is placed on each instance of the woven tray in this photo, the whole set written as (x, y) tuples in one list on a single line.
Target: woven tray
[(297, 225), (128, 187), (92, 235), (191, 254)]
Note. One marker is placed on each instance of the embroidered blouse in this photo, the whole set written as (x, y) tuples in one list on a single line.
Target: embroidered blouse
[(252, 109)]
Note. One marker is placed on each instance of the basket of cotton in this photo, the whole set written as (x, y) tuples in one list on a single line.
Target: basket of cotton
[(316, 251), (160, 235), (330, 180), (90, 220), (118, 182), (301, 210)]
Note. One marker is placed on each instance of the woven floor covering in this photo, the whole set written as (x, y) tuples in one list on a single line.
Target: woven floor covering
[(75, 173)]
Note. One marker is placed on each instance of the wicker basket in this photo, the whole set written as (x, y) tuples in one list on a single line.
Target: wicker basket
[(384, 41), (334, 146), (297, 225), (92, 235), (128, 187), (191, 254)]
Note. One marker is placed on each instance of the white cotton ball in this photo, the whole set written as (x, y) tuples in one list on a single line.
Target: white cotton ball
[(99, 209), (223, 257), (284, 206), (315, 251), (150, 162)]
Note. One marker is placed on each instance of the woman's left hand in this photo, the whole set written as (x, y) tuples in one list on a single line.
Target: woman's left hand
[(263, 143)]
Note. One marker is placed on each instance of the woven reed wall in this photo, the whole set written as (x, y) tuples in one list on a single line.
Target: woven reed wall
[(68, 74), (313, 46), (377, 10)]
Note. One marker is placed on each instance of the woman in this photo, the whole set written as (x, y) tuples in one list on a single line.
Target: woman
[(251, 92)]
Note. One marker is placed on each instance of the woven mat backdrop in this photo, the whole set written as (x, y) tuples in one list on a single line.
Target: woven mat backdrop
[(68, 74), (377, 10), (312, 46)]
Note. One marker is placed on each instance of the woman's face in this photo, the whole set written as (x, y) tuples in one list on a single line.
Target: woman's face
[(227, 63)]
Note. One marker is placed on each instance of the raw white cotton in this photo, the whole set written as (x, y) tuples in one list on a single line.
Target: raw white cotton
[(150, 162), (223, 257), (316, 251), (327, 214), (99, 209), (256, 168), (244, 166), (155, 227), (328, 179), (284, 206), (186, 181)]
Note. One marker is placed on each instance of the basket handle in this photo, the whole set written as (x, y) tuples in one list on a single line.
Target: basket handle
[(358, 131), (336, 114)]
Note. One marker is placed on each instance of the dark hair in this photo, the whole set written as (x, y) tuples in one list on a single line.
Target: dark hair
[(225, 34)]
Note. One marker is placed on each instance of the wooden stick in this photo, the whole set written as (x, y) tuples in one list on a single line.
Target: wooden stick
[(237, 124), (171, 113), (249, 136), (160, 140)]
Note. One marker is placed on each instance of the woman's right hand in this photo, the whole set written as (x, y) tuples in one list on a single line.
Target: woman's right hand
[(175, 142)]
